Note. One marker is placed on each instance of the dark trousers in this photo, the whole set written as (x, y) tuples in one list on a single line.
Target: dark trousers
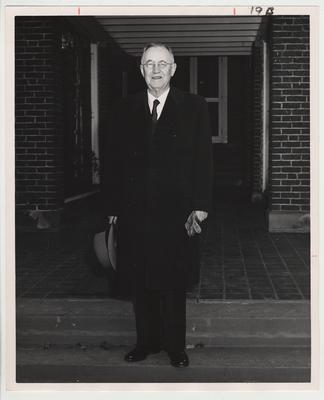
[(161, 319)]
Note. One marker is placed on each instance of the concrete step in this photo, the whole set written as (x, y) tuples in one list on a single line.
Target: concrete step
[(209, 323), (210, 364)]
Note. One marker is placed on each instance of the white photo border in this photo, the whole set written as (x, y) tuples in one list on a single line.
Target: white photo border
[(13, 390)]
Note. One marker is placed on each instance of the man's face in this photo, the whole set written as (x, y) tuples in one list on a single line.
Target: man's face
[(158, 77)]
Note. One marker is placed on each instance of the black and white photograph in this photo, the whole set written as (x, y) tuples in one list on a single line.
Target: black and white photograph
[(163, 214)]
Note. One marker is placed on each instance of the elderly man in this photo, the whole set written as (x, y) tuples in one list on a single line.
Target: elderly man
[(158, 183)]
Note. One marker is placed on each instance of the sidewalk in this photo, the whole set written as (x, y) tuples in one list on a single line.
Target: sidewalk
[(240, 259), (213, 365)]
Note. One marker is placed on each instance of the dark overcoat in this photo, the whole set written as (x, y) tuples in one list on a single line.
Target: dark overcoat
[(152, 182)]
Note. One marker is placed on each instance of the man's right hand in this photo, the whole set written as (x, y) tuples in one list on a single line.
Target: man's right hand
[(112, 219)]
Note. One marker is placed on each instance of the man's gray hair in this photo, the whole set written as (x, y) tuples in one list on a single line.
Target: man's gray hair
[(157, 44)]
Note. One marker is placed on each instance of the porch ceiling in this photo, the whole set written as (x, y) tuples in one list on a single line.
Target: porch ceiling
[(189, 35)]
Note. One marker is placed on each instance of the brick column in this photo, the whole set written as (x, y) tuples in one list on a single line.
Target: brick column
[(257, 61), (38, 137), (289, 189)]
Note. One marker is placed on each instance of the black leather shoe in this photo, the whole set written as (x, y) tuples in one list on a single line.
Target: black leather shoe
[(179, 359), (140, 354)]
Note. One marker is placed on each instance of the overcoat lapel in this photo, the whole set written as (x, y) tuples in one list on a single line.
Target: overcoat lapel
[(176, 102)]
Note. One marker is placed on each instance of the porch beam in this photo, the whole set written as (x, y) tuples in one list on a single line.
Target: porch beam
[(179, 34), (213, 45), (180, 28), (189, 39), (177, 20), (198, 52)]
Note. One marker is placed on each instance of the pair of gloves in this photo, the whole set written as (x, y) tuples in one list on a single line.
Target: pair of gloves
[(192, 224)]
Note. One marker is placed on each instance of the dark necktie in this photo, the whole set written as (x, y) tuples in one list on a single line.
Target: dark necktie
[(154, 111)]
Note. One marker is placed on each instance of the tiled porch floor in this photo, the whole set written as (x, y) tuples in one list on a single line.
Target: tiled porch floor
[(241, 260)]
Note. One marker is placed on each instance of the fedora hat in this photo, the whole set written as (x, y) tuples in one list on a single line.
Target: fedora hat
[(105, 246)]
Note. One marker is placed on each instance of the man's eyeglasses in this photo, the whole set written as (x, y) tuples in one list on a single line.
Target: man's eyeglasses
[(161, 64)]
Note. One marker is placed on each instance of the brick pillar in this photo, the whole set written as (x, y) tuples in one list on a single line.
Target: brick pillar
[(257, 62), (39, 149), (289, 200)]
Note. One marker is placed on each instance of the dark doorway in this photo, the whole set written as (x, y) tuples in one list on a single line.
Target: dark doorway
[(233, 159), (76, 115)]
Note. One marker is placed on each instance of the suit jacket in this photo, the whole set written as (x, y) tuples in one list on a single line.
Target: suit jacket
[(152, 183)]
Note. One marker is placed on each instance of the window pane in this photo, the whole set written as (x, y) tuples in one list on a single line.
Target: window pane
[(213, 113), (208, 76)]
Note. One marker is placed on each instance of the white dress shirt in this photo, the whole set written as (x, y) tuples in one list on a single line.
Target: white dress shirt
[(162, 100)]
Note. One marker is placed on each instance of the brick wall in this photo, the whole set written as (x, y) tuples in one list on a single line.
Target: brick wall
[(39, 152), (289, 118)]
